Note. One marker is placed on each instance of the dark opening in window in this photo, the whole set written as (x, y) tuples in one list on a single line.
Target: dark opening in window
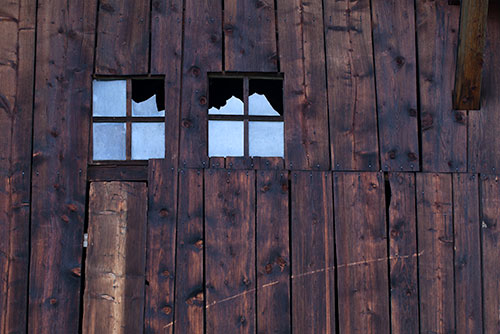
[(245, 117)]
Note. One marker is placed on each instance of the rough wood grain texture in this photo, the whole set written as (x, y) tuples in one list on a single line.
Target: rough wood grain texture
[(166, 59), (396, 78), (444, 130), (362, 263), (490, 234), (473, 21), (273, 255), (217, 162), (189, 292), (313, 253), (435, 246), (202, 54), (116, 256), (230, 251), (351, 85), (64, 62), (268, 163), (403, 253), (17, 71), (467, 229), (239, 163), (123, 37), (484, 126), (161, 241), (302, 59), (250, 36)]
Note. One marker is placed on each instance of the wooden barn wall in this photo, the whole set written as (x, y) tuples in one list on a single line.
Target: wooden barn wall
[(367, 96)]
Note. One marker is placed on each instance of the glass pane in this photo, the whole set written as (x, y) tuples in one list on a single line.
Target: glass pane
[(225, 139), (109, 141), (109, 98), (266, 139), (233, 106), (146, 108), (258, 105), (148, 141)]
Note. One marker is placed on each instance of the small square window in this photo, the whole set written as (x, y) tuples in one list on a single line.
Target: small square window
[(128, 120), (245, 117)]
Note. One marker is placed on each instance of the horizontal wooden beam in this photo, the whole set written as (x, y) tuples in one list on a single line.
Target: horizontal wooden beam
[(472, 36)]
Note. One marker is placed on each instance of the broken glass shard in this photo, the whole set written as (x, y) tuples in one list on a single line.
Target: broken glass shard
[(109, 98), (225, 139), (233, 106), (258, 105), (146, 108)]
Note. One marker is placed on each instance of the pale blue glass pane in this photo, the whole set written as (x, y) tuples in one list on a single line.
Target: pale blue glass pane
[(109, 141), (266, 139), (146, 108), (258, 105), (225, 139), (233, 106), (148, 141), (109, 98)]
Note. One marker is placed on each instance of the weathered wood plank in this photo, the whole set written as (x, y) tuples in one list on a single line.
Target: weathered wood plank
[(361, 243), (250, 36), (444, 130), (473, 22), (490, 233), (351, 85), (403, 253), (64, 62), (189, 290), (435, 246), (302, 60), (123, 37), (230, 251), (116, 256), (166, 58), (468, 291), (161, 242), (239, 163), (396, 78), (484, 126), (313, 253), (202, 54), (273, 255)]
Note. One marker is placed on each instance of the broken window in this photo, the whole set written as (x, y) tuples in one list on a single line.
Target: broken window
[(128, 119), (245, 117)]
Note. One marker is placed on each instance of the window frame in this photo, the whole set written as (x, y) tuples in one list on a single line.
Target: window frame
[(128, 119), (246, 117)]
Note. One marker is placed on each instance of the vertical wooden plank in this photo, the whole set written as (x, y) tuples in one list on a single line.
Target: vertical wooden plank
[(473, 21), (302, 60), (116, 256), (468, 303), (166, 58), (362, 263), (230, 251), (490, 234), (123, 37), (273, 256), (250, 36), (312, 251), (161, 241), (17, 48), (435, 246), (395, 65), (403, 253), (351, 85), (64, 62), (202, 54), (189, 289), (484, 126), (444, 130)]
